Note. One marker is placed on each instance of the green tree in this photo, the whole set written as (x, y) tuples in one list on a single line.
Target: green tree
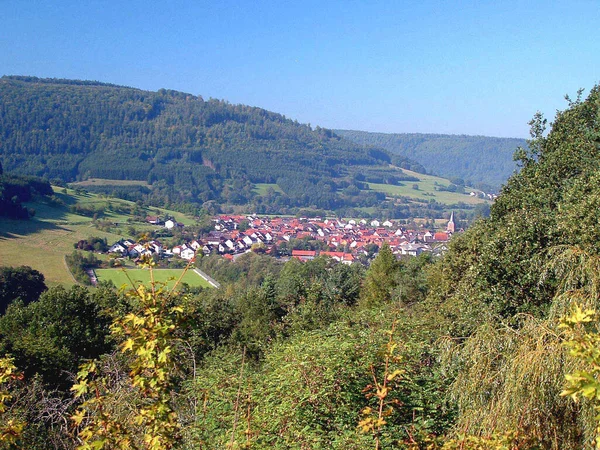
[(22, 283), (51, 336), (380, 279)]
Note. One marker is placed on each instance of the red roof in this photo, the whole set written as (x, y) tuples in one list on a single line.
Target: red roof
[(333, 254), (303, 253), (439, 236)]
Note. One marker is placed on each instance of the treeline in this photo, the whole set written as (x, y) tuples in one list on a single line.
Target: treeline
[(480, 160), (189, 150), (15, 190), (78, 264)]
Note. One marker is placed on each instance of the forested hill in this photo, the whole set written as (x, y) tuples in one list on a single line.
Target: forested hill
[(187, 149), (478, 159)]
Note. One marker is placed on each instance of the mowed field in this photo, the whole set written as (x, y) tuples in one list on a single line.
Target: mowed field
[(43, 241), (122, 277), (426, 190), (105, 182)]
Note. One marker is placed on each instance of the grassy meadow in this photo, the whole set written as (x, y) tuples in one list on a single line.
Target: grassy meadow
[(168, 276), (104, 182), (426, 190), (261, 188)]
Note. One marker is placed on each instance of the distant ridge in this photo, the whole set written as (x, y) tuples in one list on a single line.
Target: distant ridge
[(476, 159), (30, 79)]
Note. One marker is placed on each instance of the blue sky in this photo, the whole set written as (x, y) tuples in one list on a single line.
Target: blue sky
[(459, 67)]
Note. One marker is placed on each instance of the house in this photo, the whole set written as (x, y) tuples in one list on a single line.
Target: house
[(440, 236), (178, 249), (304, 255), (154, 220), (170, 224), (118, 247), (413, 249), (188, 254)]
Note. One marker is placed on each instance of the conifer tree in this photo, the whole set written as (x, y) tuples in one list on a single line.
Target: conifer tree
[(380, 280)]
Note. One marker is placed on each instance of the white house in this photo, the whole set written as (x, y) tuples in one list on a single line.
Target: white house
[(188, 254)]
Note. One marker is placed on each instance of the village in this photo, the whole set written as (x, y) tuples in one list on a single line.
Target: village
[(345, 241)]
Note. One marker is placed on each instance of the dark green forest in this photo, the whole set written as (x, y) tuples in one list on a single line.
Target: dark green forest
[(486, 348), (484, 162), (187, 149)]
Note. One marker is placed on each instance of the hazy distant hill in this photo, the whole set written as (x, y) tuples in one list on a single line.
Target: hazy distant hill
[(478, 159), (183, 148)]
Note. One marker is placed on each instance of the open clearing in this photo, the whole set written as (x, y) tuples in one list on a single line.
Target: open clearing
[(426, 191), (261, 188), (105, 182), (169, 276)]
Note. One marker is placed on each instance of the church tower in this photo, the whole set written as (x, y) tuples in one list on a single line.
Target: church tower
[(450, 227)]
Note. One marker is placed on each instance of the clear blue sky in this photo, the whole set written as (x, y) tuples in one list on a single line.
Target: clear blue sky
[(460, 67)]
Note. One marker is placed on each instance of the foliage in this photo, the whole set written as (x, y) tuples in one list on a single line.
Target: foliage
[(53, 335), (92, 243), (15, 190), (10, 428), (380, 279), (23, 283), (146, 335), (187, 149), (78, 263), (498, 261), (374, 419), (583, 342)]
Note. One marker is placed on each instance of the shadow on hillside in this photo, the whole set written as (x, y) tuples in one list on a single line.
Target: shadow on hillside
[(45, 215), (11, 229), (68, 199)]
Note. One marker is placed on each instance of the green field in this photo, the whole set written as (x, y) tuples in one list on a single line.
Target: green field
[(261, 188), (105, 182), (169, 276), (426, 190), (43, 241)]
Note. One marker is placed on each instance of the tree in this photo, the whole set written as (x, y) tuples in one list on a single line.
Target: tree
[(380, 280), (54, 334), (22, 282)]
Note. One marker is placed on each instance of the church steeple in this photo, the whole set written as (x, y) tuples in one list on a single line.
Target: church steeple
[(450, 227)]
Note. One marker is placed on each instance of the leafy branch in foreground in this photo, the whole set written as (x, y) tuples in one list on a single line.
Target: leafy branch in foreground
[(146, 337), (374, 419), (10, 428), (583, 343)]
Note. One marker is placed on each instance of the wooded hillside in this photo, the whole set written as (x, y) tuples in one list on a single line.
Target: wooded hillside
[(475, 159), (186, 148)]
